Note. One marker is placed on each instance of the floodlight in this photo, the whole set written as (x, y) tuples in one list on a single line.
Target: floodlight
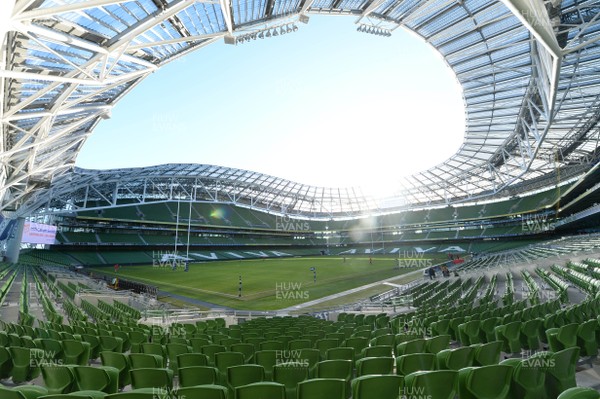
[(261, 35), (268, 34), (275, 33), (295, 28)]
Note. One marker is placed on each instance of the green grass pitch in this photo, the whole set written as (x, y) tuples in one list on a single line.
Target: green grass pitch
[(267, 284)]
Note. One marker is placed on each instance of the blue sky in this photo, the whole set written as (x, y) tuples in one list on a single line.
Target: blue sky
[(325, 105)]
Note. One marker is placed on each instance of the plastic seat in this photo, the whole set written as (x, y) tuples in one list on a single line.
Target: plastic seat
[(335, 369), (322, 388), (356, 343), (197, 343), (406, 364), (440, 327), (579, 393), (486, 329), (223, 360), (486, 382), (487, 354), (201, 391), (386, 339), (197, 375), (136, 339), (26, 363), (436, 384), (586, 338), (528, 380), (104, 379), (67, 396), (455, 359), (562, 337), (271, 345), (344, 353), (530, 334), (245, 348), (110, 344), (257, 390), (412, 346), (94, 342), (510, 335), (145, 360), (192, 359), (243, 375), (299, 344), (120, 361), (58, 379), (374, 365), (468, 332), (76, 352), (174, 350), (6, 363), (154, 348), (268, 359), (437, 344), (453, 327), (290, 374), (23, 392), (53, 349), (377, 351), (210, 350), (560, 369), (324, 344), (311, 357), (377, 386), (159, 378)]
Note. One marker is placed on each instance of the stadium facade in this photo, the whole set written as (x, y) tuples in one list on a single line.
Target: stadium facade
[(528, 72)]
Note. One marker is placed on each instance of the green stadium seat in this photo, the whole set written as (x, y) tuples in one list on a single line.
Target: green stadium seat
[(120, 361), (377, 386), (528, 381), (374, 365), (322, 388), (257, 390), (437, 343), (487, 354), (243, 375), (197, 375), (223, 360), (412, 346), (410, 363), (485, 382), (290, 374), (58, 379), (202, 391), (579, 393), (436, 384), (455, 359), (102, 378), (76, 352)]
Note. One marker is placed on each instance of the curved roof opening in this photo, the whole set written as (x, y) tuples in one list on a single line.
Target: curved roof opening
[(325, 106)]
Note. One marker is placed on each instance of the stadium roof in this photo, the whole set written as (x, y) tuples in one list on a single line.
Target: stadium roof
[(529, 71)]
